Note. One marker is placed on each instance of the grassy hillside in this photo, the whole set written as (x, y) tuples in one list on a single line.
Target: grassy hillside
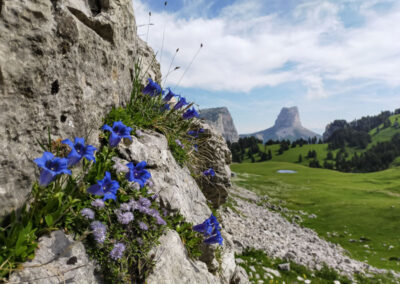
[(349, 206), (292, 155), (384, 134)]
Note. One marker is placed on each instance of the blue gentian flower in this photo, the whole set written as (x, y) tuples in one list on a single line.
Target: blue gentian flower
[(182, 102), (118, 251), (196, 147), (169, 96), (152, 88), (105, 187), (118, 131), (210, 227), (165, 107), (215, 239), (51, 167), (79, 151), (190, 113), (209, 172), (205, 228), (193, 133), (138, 173)]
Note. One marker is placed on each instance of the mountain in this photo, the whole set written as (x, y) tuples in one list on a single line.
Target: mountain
[(287, 126), (222, 121)]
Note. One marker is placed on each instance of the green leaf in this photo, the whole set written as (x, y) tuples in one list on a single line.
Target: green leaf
[(20, 250), (49, 220)]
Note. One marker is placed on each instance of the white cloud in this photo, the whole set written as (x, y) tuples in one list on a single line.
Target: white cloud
[(244, 49)]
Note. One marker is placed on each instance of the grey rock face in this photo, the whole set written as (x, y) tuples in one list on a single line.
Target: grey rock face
[(287, 126), (63, 65), (176, 187), (174, 266), (58, 260), (240, 276), (222, 121), (215, 154), (333, 126)]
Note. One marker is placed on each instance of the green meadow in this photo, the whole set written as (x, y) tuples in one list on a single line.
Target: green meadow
[(363, 208)]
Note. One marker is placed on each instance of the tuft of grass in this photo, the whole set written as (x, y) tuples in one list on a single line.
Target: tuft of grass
[(191, 239), (148, 112)]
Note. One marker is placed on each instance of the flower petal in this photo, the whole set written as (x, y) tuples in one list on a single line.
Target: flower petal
[(68, 142), (114, 139), (109, 195), (73, 158), (141, 165), (95, 190), (79, 140), (46, 177), (41, 162), (106, 128)]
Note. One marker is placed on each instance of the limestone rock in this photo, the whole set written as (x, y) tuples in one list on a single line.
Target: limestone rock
[(63, 65), (57, 260), (174, 266), (215, 154), (222, 121), (239, 276), (287, 126), (176, 187)]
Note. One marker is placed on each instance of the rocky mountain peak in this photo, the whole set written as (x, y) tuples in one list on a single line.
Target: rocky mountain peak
[(287, 126), (221, 119), (288, 117)]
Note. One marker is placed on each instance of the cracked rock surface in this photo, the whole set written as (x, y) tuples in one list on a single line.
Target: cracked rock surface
[(63, 65), (58, 259)]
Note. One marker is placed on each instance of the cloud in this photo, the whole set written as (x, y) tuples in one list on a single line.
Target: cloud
[(246, 49)]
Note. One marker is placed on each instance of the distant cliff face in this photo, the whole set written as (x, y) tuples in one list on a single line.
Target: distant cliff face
[(222, 121), (287, 126), (288, 117)]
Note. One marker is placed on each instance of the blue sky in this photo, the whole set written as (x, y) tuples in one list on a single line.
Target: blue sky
[(332, 59)]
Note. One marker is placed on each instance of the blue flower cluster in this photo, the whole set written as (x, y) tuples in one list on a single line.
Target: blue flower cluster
[(209, 172), (106, 187), (138, 173), (195, 133), (152, 89), (210, 228), (118, 131), (51, 166)]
